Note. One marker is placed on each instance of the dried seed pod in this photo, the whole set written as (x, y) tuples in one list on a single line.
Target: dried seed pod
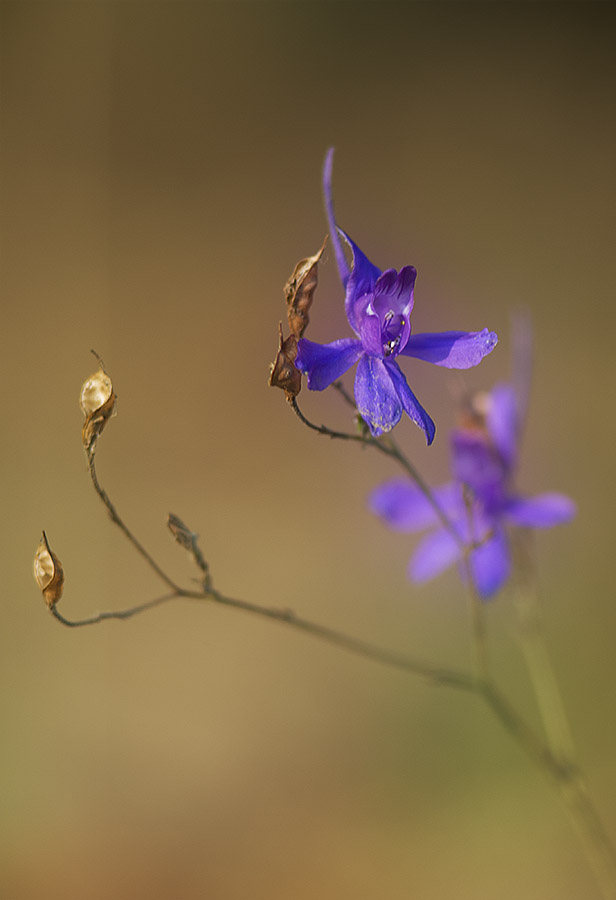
[(283, 373), (97, 401), (299, 291), (48, 572), (181, 532)]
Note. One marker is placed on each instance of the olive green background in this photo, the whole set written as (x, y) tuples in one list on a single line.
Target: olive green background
[(161, 177)]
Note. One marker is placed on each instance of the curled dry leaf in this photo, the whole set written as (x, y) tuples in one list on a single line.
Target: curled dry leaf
[(97, 401), (283, 373), (299, 291), (48, 572)]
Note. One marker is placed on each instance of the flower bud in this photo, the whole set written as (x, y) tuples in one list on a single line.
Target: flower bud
[(97, 401), (181, 532), (48, 572)]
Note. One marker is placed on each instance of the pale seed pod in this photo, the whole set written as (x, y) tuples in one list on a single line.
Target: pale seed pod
[(48, 572), (97, 401)]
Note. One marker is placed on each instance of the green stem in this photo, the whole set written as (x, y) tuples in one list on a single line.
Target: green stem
[(570, 782)]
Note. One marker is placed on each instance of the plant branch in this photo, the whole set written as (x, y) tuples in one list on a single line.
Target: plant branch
[(119, 614), (115, 518)]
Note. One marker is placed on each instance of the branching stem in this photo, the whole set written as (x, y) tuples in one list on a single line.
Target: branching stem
[(555, 758), (115, 518)]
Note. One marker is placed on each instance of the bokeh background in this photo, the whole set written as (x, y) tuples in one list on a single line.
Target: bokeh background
[(161, 177)]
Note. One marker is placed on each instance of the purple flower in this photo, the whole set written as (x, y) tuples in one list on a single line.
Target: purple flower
[(378, 306), (484, 455)]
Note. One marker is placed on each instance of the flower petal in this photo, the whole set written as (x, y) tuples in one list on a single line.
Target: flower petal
[(542, 511), (370, 334), (323, 363), (405, 508), (476, 464), (343, 266), (452, 349), (410, 403), (376, 396), (491, 565), (362, 280), (503, 421), (394, 290), (434, 553)]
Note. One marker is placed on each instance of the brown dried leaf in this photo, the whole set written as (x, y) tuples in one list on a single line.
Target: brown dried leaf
[(97, 401), (48, 572), (283, 373), (299, 291)]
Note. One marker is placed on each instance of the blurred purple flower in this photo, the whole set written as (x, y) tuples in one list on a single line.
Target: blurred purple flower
[(484, 456), (378, 306)]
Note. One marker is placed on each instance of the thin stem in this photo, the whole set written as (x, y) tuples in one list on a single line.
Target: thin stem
[(434, 674), (481, 660), (394, 452), (599, 849), (339, 386), (536, 654), (517, 727), (573, 790), (119, 614), (390, 448), (115, 518)]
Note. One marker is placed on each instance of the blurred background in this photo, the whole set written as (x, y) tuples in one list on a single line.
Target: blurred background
[(160, 179)]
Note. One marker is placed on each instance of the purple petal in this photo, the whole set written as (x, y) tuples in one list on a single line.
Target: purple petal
[(385, 283), (405, 508), (410, 403), (542, 511), (362, 280), (343, 266), (452, 349), (323, 363), (370, 334), (394, 290), (503, 421), (375, 395), (434, 553), (476, 464), (491, 565)]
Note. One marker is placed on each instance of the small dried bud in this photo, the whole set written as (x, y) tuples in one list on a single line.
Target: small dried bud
[(188, 540), (48, 572), (97, 401), (181, 532), (299, 291), (283, 373)]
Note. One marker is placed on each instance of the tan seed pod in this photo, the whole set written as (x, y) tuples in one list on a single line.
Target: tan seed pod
[(97, 401), (95, 392), (48, 572)]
